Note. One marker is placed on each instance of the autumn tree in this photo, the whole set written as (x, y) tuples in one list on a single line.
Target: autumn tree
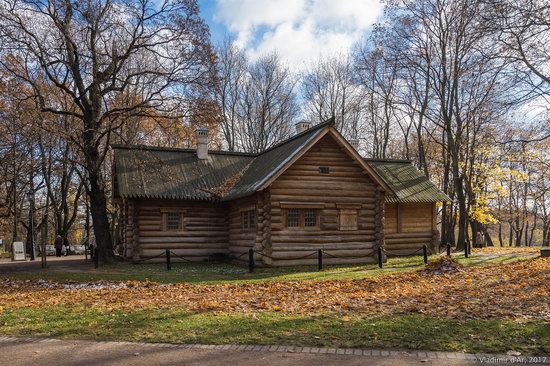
[(91, 54)]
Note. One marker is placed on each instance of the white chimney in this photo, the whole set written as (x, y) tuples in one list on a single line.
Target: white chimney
[(354, 143), (302, 126), (202, 143)]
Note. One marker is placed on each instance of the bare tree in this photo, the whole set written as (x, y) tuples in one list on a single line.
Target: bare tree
[(522, 28), (330, 90), (377, 71), (267, 104), (231, 68)]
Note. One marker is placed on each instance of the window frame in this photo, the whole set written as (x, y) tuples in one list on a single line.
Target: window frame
[(316, 217), (181, 215), (248, 216), (301, 218), (297, 218)]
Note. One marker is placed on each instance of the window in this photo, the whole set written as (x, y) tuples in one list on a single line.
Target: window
[(173, 221), (310, 217), (324, 169), (293, 217), (302, 217), (252, 219), (348, 219), (248, 219)]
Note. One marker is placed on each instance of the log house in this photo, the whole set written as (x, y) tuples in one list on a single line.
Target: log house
[(312, 191)]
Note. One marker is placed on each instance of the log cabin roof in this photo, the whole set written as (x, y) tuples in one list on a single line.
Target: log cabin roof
[(174, 173), (408, 183), (169, 173), (271, 161)]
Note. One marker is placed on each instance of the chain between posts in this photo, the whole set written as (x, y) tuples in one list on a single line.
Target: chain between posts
[(320, 253), (406, 254)]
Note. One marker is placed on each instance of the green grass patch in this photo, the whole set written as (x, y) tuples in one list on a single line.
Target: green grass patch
[(178, 326), (215, 273)]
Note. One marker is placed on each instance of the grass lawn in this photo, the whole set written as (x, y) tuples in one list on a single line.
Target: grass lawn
[(217, 273), (423, 316), (177, 326)]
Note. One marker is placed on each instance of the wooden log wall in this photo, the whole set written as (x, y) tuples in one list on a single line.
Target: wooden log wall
[(263, 241), (379, 218), (346, 185), (205, 230), (136, 252), (390, 215), (411, 225), (240, 241), (129, 228)]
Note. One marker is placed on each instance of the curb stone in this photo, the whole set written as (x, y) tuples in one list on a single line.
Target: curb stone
[(296, 349)]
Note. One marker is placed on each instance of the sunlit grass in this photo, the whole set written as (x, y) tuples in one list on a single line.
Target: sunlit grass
[(179, 326), (213, 273)]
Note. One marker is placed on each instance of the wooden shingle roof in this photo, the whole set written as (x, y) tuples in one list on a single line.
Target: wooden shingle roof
[(408, 183), (167, 173), (152, 172), (172, 173)]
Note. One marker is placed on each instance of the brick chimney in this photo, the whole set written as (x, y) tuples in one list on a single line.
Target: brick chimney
[(354, 143), (302, 126), (201, 135)]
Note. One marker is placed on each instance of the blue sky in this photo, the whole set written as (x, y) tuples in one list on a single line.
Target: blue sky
[(301, 31)]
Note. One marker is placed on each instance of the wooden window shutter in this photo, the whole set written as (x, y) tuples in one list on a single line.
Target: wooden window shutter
[(348, 219)]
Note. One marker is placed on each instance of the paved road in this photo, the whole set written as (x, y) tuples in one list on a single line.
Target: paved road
[(38, 352)]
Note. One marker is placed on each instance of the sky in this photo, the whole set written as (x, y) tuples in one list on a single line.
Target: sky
[(300, 31)]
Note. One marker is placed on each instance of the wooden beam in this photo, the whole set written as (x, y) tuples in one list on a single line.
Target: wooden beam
[(302, 205)]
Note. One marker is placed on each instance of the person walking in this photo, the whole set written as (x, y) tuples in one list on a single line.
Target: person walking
[(67, 245), (58, 244)]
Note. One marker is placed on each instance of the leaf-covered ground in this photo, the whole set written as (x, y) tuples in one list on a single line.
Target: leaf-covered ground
[(517, 290)]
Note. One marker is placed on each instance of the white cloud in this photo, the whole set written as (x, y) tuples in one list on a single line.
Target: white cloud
[(299, 30), (244, 16)]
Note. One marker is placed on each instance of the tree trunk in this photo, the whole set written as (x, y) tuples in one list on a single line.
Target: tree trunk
[(462, 214), (98, 209), (45, 220), (488, 239)]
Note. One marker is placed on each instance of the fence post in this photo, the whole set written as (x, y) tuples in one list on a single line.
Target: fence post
[(320, 259), (250, 260), (466, 250), (425, 253), (168, 263), (380, 257), (448, 250), (96, 258)]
